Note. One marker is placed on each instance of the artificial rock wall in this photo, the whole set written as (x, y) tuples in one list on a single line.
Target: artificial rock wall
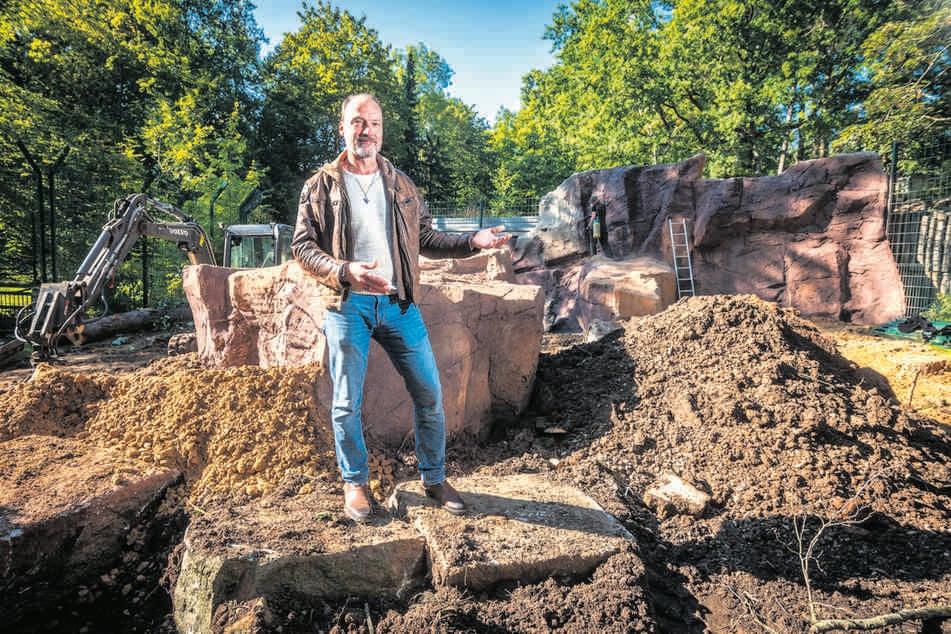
[(812, 238), (485, 330)]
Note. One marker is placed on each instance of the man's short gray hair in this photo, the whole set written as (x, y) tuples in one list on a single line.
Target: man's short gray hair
[(359, 95)]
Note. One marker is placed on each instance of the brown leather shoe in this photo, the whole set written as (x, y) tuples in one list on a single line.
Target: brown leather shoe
[(356, 502), (447, 497)]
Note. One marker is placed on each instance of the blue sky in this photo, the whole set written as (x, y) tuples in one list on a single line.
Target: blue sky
[(490, 44)]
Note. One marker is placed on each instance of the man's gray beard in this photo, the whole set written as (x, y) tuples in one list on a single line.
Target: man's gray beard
[(364, 152)]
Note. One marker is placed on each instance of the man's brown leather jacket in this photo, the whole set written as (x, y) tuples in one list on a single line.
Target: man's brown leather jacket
[(323, 239)]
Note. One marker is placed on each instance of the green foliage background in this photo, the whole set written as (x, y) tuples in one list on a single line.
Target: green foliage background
[(99, 99)]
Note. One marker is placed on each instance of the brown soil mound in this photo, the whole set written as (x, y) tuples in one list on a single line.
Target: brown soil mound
[(235, 431), (795, 444)]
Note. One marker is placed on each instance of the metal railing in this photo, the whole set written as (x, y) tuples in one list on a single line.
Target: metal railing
[(512, 224), (13, 297), (519, 216)]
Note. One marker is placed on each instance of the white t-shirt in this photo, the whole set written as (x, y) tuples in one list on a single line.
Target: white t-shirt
[(372, 233)]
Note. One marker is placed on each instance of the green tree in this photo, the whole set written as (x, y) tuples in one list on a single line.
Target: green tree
[(454, 164), (305, 79), (409, 113), (531, 152), (146, 96), (753, 84), (908, 60), (450, 161)]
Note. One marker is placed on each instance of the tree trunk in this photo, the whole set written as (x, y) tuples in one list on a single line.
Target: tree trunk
[(132, 321)]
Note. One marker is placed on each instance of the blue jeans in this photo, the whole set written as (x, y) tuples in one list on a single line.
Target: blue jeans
[(402, 334)]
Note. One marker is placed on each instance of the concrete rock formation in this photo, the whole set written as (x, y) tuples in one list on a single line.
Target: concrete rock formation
[(812, 238), (485, 329), (521, 528)]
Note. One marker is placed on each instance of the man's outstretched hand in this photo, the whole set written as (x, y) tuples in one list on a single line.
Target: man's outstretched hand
[(361, 277), (490, 237)]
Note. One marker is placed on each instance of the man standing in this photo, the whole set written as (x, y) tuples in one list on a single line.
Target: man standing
[(361, 226)]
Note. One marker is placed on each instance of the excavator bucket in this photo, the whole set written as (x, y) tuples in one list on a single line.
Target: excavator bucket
[(50, 315)]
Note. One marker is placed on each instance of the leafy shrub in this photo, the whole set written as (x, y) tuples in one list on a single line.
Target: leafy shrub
[(941, 309)]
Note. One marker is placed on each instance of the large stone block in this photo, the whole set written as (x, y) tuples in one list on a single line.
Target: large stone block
[(486, 335), (630, 287), (812, 237), (263, 552), (519, 528)]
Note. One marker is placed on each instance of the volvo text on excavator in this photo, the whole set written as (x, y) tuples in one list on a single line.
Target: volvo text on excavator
[(60, 307)]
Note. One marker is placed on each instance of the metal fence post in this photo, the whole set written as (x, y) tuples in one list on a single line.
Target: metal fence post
[(892, 174)]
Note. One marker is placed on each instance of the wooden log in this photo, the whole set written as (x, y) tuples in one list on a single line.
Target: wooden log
[(10, 353), (128, 322), (884, 620)]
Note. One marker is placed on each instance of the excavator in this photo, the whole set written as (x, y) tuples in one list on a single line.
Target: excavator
[(60, 307)]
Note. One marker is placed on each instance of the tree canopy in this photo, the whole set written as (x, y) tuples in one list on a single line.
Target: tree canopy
[(753, 84)]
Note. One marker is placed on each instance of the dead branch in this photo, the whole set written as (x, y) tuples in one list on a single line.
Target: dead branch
[(914, 384), (850, 512), (884, 620)]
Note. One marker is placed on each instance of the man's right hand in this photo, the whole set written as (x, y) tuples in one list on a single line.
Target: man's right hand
[(361, 277)]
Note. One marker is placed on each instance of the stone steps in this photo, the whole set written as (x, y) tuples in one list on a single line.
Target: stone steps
[(521, 528)]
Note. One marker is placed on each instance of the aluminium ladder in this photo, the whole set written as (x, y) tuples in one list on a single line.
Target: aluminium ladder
[(680, 247)]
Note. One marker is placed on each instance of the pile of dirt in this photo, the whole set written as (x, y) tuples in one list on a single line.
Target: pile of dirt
[(230, 432), (796, 446), (793, 442)]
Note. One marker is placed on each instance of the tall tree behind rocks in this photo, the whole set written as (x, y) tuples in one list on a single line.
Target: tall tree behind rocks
[(755, 85), (910, 86), (409, 113), (305, 79), (451, 160)]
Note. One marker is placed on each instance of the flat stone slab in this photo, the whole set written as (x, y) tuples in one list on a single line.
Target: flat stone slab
[(239, 558), (523, 527), (301, 544)]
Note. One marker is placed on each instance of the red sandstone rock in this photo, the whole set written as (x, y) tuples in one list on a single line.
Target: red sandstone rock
[(812, 238), (486, 335)]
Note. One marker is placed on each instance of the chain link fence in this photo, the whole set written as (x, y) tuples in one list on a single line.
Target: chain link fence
[(919, 223), (484, 209)]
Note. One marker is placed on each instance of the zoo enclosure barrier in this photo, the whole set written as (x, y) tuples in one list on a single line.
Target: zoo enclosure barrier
[(518, 217), (918, 223)]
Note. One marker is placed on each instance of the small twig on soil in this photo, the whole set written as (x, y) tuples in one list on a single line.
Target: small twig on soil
[(884, 620), (196, 507), (366, 609), (914, 384), (749, 602)]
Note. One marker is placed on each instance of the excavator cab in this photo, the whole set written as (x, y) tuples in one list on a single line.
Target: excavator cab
[(256, 246)]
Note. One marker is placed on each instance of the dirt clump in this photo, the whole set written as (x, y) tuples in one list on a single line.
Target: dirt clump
[(744, 400)]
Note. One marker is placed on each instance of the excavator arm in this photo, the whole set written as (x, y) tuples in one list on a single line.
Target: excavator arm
[(60, 306)]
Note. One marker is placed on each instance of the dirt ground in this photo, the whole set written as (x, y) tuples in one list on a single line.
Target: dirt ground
[(825, 450)]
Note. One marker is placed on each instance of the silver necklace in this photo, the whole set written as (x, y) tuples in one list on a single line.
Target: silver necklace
[(366, 190)]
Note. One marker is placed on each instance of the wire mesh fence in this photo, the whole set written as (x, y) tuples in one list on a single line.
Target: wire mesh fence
[(483, 208), (919, 224)]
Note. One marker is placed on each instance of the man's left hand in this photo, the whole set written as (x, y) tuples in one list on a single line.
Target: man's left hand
[(490, 237)]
